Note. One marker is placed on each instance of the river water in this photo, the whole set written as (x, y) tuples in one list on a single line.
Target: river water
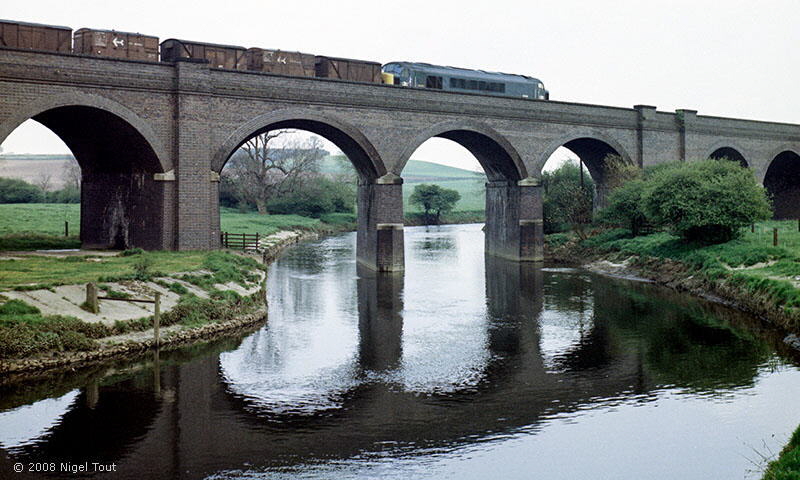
[(463, 367)]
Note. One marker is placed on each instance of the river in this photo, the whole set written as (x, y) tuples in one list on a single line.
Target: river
[(463, 367)]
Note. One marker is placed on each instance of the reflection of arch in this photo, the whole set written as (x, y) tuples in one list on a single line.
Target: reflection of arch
[(349, 139), (36, 109), (782, 181), (730, 153), (496, 155)]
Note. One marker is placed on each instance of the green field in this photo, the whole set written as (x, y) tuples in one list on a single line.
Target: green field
[(42, 218), (466, 182), (48, 219), (472, 194)]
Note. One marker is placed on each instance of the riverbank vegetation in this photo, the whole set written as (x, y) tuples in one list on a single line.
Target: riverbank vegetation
[(787, 466), (706, 218), (25, 331)]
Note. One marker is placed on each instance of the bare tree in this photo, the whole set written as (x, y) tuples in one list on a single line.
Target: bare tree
[(265, 167), (72, 174), (44, 181)]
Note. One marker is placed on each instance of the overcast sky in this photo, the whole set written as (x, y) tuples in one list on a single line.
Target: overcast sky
[(726, 58)]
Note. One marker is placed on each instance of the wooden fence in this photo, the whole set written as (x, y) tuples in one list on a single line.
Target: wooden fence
[(240, 241)]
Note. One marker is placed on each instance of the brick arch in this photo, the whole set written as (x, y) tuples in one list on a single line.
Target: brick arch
[(495, 153), (349, 139), (727, 149), (89, 101), (782, 181), (590, 138), (592, 148), (122, 204)]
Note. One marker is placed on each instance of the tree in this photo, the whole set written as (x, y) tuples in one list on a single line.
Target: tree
[(434, 200), (72, 174), (566, 201), (707, 201), (265, 167), (626, 206)]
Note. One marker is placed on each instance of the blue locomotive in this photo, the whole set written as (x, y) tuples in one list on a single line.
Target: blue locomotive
[(409, 74)]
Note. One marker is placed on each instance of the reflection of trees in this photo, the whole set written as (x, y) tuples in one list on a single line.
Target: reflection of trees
[(685, 342), (435, 244)]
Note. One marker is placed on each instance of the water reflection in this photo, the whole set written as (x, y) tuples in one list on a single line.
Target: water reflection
[(358, 374)]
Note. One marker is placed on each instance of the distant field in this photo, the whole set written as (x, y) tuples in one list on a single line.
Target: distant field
[(471, 190), (46, 218), (32, 171)]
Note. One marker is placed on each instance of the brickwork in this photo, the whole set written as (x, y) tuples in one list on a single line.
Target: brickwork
[(177, 124)]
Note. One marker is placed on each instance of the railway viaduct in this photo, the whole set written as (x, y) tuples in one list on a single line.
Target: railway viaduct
[(151, 139)]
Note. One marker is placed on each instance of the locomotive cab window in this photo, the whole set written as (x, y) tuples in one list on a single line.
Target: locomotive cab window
[(432, 81)]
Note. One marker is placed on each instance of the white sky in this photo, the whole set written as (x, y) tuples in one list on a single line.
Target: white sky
[(726, 58)]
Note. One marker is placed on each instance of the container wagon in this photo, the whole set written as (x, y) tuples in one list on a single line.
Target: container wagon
[(278, 61), (229, 57), (348, 69), (35, 36), (110, 43)]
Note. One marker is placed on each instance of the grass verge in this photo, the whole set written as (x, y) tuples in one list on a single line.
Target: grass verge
[(25, 331), (787, 466), (745, 270)]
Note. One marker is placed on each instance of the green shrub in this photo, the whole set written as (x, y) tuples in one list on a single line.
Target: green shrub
[(625, 207), (565, 202), (13, 190), (707, 201), (315, 198), (142, 267), (69, 194)]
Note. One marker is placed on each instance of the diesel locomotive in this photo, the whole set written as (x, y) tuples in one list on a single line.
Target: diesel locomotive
[(136, 46), (423, 75)]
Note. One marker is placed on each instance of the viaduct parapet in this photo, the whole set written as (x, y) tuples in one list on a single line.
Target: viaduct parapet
[(152, 138)]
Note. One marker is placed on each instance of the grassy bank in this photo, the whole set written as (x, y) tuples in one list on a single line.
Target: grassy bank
[(749, 270), (40, 226), (25, 331), (787, 466)]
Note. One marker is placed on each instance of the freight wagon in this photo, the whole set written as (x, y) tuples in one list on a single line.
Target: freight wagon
[(281, 62), (110, 43), (348, 69), (229, 57), (35, 36)]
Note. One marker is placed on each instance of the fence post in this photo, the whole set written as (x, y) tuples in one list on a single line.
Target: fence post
[(774, 237), (66, 228), (91, 298), (157, 319), (752, 228)]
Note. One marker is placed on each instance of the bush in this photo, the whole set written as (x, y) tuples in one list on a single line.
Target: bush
[(707, 201), (13, 190), (565, 203), (142, 267), (315, 198), (65, 195), (626, 207)]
